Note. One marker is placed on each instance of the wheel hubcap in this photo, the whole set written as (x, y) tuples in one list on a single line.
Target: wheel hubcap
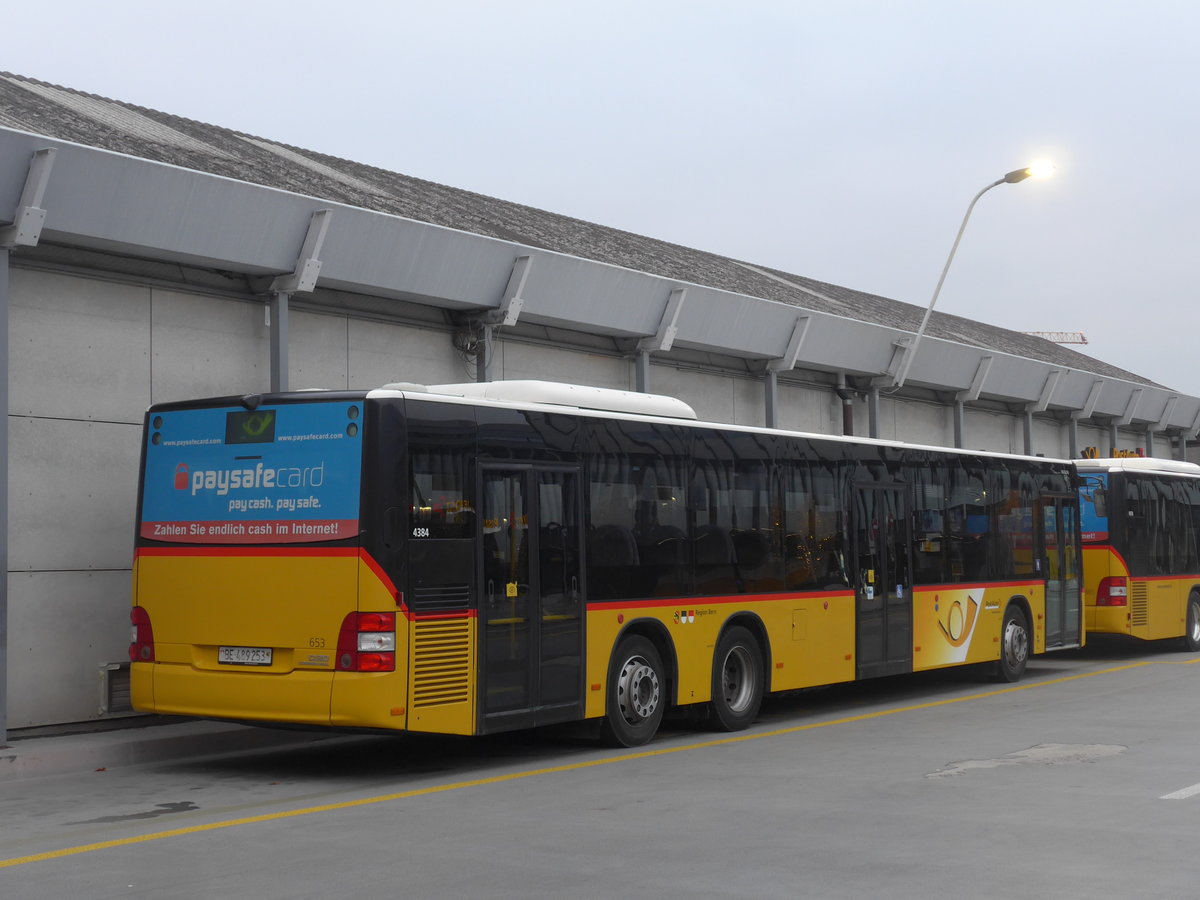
[(637, 690), (1194, 621), (737, 679), (1016, 644)]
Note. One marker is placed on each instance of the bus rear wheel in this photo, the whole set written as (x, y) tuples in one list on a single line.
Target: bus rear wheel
[(636, 694), (737, 688), (1191, 637), (1014, 645)]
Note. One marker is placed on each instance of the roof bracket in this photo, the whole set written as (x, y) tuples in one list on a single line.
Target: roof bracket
[(26, 228), (787, 362), (1166, 413), (1130, 408), (513, 300), (1048, 389), (971, 394), (668, 325), (890, 372), (1194, 429), (308, 265), (1090, 406)]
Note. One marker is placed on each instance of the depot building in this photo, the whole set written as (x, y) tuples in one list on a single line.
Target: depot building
[(147, 258)]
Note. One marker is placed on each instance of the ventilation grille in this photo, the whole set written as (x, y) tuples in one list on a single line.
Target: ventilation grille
[(115, 696), (443, 598), (441, 663), (1139, 607)]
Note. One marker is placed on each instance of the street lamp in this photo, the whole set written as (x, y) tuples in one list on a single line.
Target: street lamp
[(1037, 170)]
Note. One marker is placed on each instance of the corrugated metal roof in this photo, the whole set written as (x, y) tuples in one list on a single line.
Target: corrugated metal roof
[(81, 118)]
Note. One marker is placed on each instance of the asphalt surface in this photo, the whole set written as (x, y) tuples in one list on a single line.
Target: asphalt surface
[(1082, 781)]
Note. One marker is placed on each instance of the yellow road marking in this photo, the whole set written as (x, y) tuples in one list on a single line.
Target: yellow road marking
[(552, 770)]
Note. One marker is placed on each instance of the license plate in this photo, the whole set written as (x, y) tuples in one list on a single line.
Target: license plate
[(244, 656)]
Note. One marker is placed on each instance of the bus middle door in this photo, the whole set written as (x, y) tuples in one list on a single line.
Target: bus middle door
[(883, 586), (531, 603)]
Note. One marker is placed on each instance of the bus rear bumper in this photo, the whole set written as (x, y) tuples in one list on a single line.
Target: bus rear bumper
[(180, 690), (1108, 620)]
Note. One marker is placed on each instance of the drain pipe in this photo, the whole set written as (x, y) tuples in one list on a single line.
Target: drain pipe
[(847, 395)]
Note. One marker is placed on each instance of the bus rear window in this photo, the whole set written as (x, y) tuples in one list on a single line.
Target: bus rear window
[(286, 474)]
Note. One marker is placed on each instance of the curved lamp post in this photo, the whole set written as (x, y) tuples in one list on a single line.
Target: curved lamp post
[(1037, 170)]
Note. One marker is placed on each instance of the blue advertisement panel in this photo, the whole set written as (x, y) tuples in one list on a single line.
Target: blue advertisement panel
[(1093, 510), (282, 474)]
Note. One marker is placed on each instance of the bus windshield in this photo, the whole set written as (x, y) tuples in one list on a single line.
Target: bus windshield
[(288, 473)]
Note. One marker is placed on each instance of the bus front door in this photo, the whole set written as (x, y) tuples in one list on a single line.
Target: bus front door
[(531, 604), (1058, 560), (883, 587)]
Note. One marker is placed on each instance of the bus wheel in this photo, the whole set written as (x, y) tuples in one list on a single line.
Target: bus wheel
[(737, 689), (1014, 645), (636, 701), (1191, 638)]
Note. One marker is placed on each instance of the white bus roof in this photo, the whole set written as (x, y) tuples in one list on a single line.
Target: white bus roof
[(1139, 464), (558, 394)]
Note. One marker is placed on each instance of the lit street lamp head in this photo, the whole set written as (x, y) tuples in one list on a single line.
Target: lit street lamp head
[(1043, 169)]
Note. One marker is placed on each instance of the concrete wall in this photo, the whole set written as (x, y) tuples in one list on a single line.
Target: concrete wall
[(86, 359)]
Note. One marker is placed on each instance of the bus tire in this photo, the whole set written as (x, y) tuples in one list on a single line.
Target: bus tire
[(1015, 644), (1191, 637), (637, 694), (737, 680)]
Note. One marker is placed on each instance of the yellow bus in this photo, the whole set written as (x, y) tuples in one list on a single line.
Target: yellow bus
[(1141, 524), (475, 558)]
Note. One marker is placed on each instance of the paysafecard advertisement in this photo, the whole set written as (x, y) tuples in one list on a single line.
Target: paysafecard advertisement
[(285, 474)]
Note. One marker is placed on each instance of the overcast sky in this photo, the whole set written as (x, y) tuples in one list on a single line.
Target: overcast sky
[(842, 141)]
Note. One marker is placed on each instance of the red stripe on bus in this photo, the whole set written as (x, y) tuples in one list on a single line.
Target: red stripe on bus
[(698, 601), (246, 551), (972, 585)]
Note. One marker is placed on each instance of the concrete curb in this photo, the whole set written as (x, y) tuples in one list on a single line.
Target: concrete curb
[(35, 757)]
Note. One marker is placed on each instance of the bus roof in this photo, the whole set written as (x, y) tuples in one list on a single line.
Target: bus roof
[(560, 394), (1140, 464), (608, 402)]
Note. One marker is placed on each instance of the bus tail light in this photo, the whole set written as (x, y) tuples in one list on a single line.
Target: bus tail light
[(141, 637), (367, 643), (1113, 592)]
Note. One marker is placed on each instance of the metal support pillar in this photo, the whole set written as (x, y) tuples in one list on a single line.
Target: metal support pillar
[(785, 363), (960, 417), (660, 342), (1112, 438), (4, 304), (303, 280), (1073, 438), (1149, 441), (771, 398), (1027, 428), (485, 348), (278, 311), (873, 412), (641, 371)]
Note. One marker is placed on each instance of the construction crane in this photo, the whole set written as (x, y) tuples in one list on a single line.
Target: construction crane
[(1060, 337)]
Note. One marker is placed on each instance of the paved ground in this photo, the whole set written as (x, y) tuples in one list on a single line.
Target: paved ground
[(1082, 781)]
